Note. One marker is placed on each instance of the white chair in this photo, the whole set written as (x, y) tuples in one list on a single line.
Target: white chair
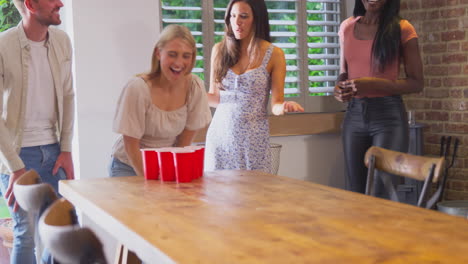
[(65, 239), (34, 197)]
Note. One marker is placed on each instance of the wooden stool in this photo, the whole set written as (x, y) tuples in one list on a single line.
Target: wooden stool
[(6, 232)]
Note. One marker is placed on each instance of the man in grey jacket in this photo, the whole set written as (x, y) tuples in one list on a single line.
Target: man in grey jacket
[(36, 108)]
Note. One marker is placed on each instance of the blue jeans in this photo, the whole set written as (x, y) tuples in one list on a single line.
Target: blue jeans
[(118, 169), (42, 159)]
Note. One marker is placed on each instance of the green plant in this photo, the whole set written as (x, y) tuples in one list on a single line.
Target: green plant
[(9, 15)]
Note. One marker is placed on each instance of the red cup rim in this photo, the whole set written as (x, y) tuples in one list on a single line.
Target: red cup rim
[(148, 149), (194, 147), (183, 150), (167, 149)]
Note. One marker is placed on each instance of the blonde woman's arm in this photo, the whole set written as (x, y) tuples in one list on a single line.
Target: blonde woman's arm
[(185, 138), (132, 147)]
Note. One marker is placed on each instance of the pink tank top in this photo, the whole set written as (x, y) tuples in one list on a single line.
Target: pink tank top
[(358, 53)]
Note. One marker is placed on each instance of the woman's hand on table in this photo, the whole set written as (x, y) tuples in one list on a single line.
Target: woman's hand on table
[(291, 106), (287, 107)]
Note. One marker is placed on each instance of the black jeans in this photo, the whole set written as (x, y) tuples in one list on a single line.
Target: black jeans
[(379, 121)]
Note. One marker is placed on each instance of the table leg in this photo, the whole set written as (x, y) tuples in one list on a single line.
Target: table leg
[(125, 256)]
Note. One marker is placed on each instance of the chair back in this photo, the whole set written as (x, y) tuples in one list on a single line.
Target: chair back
[(65, 239), (420, 168)]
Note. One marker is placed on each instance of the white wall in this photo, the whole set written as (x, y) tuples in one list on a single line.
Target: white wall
[(316, 158), (113, 40)]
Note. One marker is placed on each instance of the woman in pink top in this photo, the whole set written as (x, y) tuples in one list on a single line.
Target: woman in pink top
[(374, 42)]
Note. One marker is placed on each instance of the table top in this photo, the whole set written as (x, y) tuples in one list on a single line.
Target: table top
[(246, 216)]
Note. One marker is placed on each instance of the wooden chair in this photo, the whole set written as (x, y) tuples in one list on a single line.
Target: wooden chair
[(420, 168), (34, 197), (65, 239)]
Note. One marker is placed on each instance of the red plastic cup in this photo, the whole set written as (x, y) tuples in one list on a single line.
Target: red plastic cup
[(166, 164), (201, 160), (198, 160), (183, 163), (150, 163)]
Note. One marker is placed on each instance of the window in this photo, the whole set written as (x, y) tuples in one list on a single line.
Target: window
[(9, 15), (306, 30)]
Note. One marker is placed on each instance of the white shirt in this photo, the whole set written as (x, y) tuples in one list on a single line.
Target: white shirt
[(41, 108)]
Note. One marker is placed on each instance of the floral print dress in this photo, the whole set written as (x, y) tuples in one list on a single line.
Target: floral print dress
[(239, 137)]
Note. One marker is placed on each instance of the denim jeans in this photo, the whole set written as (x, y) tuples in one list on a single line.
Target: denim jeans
[(118, 169), (42, 159), (381, 122)]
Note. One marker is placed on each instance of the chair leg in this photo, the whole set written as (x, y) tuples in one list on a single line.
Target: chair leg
[(431, 202), (370, 176), (425, 187), (389, 187)]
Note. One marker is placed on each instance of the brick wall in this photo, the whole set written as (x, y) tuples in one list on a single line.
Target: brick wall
[(442, 26)]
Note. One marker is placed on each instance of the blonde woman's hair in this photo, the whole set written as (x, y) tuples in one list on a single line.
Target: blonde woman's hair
[(169, 33)]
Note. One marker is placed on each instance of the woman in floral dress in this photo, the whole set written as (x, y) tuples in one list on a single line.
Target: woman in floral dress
[(245, 68)]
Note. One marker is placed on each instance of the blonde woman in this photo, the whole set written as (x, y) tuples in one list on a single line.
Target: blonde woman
[(161, 108)]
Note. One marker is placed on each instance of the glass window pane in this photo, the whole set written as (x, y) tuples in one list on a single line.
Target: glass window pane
[(283, 29), (323, 18)]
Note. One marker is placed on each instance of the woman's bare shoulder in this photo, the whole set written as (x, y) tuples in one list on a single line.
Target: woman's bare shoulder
[(278, 51), (263, 44)]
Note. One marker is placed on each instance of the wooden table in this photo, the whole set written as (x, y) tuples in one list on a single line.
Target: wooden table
[(252, 217)]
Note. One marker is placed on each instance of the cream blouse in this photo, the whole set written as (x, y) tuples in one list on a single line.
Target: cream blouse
[(136, 116)]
